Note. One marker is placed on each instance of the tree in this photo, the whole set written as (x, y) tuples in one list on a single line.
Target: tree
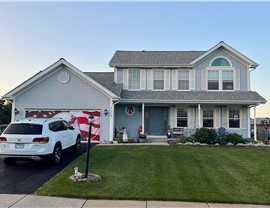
[(5, 111)]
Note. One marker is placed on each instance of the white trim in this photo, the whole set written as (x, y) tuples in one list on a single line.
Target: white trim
[(115, 75), (26, 85), (149, 79), (192, 80), (210, 65), (142, 118), (125, 79), (142, 79), (111, 118), (255, 124), (252, 64), (174, 79), (161, 70)]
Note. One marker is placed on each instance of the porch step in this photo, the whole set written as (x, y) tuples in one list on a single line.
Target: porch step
[(157, 139)]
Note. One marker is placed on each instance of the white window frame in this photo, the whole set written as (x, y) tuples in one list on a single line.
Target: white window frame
[(139, 81), (232, 108), (184, 109), (158, 70), (220, 80), (213, 117), (189, 76)]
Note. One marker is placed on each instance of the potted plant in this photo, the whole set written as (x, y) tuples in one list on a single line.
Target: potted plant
[(142, 138)]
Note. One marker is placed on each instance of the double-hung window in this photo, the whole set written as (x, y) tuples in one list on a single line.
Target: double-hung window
[(182, 118), (227, 80), (220, 75), (183, 80), (213, 80), (158, 79), (234, 118), (134, 79), (208, 118)]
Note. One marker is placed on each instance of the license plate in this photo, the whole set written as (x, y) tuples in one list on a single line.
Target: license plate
[(19, 146)]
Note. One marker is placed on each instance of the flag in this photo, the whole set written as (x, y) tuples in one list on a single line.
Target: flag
[(78, 119)]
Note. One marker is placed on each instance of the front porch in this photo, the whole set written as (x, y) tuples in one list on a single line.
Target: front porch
[(154, 120)]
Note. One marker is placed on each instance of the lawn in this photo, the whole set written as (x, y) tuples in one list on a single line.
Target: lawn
[(203, 174)]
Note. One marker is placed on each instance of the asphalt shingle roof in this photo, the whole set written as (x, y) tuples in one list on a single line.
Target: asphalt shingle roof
[(106, 79), (146, 58), (195, 96)]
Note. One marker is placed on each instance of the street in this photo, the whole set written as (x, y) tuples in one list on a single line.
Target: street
[(27, 176)]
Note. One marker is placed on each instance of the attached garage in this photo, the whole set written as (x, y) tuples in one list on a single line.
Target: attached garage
[(62, 90)]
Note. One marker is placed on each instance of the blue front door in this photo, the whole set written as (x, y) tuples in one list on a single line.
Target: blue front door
[(156, 120)]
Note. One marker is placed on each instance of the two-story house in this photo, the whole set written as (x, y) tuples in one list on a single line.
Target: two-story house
[(148, 90)]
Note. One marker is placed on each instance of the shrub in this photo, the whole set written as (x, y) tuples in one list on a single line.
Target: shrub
[(204, 135), (233, 138), (186, 139)]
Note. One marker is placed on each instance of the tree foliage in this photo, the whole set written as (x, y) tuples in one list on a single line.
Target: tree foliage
[(5, 111)]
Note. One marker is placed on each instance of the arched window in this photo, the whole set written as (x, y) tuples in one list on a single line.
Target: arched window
[(220, 62)]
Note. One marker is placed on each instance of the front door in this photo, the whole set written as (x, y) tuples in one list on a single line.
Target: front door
[(156, 120)]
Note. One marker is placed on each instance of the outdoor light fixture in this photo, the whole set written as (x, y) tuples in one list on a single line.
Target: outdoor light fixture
[(16, 111), (105, 112), (140, 108), (91, 122)]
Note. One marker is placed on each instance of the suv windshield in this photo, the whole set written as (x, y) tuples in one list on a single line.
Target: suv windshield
[(23, 128)]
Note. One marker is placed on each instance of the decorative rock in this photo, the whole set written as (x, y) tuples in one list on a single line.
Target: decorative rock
[(90, 178)]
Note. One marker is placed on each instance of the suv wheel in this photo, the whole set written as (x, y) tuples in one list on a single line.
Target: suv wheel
[(77, 145), (9, 161), (57, 153)]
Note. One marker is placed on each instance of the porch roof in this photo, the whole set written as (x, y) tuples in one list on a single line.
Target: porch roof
[(236, 97)]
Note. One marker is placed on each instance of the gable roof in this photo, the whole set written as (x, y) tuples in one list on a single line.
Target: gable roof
[(42, 74), (228, 48), (171, 58), (106, 79), (154, 58)]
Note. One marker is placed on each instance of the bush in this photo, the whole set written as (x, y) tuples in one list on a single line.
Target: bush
[(204, 135), (231, 138), (186, 139)]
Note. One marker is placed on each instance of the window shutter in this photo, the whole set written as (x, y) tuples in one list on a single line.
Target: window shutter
[(217, 118), (125, 79), (203, 79), (237, 80), (243, 118), (191, 118), (143, 79), (225, 118), (149, 79), (192, 79), (167, 79), (173, 120), (174, 79)]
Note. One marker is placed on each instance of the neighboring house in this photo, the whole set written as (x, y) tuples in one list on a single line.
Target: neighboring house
[(262, 128), (149, 89)]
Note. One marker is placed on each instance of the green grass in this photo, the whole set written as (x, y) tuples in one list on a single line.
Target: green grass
[(205, 174)]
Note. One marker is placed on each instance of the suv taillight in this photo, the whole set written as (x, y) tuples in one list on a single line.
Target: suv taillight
[(3, 139), (41, 140)]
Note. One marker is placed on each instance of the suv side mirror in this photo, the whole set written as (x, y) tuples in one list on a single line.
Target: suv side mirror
[(71, 128)]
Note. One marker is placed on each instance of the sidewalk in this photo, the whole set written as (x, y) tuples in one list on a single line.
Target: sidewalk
[(33, 201)]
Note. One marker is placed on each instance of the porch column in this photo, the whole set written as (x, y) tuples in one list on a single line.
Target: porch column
[(142, 118), (199, 115), (255, 124)]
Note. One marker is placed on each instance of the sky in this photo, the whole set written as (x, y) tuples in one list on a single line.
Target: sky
[(34, 35)]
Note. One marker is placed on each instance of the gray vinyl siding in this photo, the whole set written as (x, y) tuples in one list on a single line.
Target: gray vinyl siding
[(130, 122), (74, 95), (203, 64)]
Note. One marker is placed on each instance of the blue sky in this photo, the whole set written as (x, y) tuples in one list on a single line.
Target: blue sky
[(33, 35)]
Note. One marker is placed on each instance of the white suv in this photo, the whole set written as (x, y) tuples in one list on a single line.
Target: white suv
[(43, 138)]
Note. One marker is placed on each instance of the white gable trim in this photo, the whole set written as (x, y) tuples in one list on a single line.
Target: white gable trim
[(39, 76), (251, 63)]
